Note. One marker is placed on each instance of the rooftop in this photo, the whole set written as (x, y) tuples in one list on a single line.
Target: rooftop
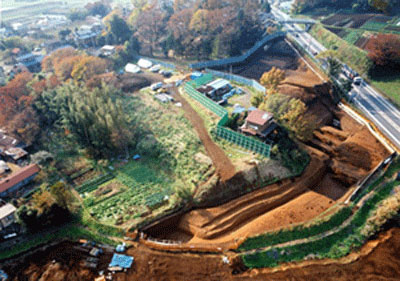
[(18, 176), (16, 152), (7, 141), (6, 209), (259, 117), (219, 83)]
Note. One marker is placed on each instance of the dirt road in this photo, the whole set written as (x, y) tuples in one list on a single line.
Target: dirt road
[(222, 163)]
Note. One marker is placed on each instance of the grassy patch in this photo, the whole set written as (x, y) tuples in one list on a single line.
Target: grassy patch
[(390, 85), (374, 26), (353, 36), (353, 56)]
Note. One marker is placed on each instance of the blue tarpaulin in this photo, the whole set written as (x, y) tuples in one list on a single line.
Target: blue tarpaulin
[(136, 157), (3, 275), (121, 261), (195, 75)]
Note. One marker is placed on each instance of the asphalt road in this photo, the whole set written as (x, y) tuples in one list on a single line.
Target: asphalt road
[(377, 108)]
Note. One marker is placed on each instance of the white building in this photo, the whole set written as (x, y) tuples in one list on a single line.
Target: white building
[(7, 214), (107, 50), (132, 68)]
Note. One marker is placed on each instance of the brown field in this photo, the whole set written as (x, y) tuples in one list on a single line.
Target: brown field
[(344, 20)]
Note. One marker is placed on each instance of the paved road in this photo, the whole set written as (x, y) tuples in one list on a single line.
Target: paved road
[(377, 108)]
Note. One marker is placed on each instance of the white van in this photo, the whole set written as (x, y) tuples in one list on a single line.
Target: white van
[(358, 81)]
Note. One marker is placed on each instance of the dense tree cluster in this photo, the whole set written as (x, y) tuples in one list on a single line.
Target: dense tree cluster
[(68, 63), (384, 50), (101, 8), (94, 118), (194, 28), (49, 206)]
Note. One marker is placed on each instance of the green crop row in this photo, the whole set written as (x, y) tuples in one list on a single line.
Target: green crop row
[(92, 184), (297, 232)]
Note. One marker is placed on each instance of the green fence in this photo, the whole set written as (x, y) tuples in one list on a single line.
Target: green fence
[(205, 79), (243, 141), (220, 111), (223, 132)]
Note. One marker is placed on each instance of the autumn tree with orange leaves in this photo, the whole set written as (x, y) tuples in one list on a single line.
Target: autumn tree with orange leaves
[(384, 50)]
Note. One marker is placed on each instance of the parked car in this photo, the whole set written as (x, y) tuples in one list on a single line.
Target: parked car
[(222, 102), (155, 68), (156, 86), (166, 73)]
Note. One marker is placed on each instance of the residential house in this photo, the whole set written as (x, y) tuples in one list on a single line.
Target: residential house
[(86, 35), (15, 154), (259, 123), (11, 149), (12, 183), (7, 215)]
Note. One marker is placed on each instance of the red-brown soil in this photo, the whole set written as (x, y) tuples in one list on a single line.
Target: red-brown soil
[(266, 209)]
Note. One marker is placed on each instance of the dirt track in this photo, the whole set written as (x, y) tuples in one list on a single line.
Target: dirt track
[(222, 163)]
